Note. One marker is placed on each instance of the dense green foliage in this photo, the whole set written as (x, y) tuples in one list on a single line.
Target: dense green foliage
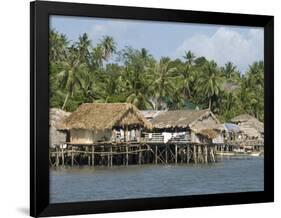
[(81, 72)]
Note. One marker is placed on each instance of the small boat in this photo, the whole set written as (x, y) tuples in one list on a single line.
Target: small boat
[(226, 153), (256, 154), (239, 151)]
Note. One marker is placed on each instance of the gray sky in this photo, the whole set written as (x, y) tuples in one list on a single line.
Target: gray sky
[(240, 45)]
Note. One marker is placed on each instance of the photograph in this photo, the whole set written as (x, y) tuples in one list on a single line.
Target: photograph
[(148, 109)]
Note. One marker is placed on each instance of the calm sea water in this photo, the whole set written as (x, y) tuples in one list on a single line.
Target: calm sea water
[(236, 174)]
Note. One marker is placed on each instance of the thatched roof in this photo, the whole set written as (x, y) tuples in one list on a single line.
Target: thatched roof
[(209, 133), (56, 120), (178, 118), (56, 117), (250, 131), (230, 87), (93, 116), (246, 122), (151, 114), (242, 118), (230, 127)]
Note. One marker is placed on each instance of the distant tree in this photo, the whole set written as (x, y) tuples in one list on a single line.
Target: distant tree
[(70, 77), (163, 85), (228, 70), (189, 57), (58, 46), (108, 46), (210, 81), (81, 72)]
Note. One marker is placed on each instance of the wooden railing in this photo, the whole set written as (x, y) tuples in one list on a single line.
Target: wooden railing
[(246, 142), (159, 138)]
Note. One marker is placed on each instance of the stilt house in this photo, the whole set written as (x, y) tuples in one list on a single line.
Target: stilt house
[(198, 126), (105, 122), (250, 127), (58, 135)]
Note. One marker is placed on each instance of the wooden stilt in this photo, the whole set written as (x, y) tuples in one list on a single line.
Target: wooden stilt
[(194, 154), (57, 156), (93, 155), (156, 150), (201, 159), (62, 157), (187, 153), (166, 154), (140, 155), (212, 154), (176, 153), (111, 156), (206, 154), (127, 155), (88, 156), (182, 150), (108, 158), (72, 157)]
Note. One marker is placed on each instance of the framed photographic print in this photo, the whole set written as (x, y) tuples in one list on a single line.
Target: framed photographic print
[(142, 109)]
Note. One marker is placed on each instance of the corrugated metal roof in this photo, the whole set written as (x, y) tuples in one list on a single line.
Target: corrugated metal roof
[(230, 127)]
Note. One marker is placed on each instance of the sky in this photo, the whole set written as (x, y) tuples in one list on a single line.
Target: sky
[(240, 45)]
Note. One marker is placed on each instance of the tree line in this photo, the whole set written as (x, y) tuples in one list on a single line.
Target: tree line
[(83, 73)]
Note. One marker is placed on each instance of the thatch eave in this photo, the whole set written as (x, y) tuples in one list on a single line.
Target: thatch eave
[(101, 116)]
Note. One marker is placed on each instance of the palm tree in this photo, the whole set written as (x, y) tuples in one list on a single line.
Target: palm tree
[(58, 44), (256, 75), (83, 45), (187, 74), (228, 70), (108, 45), (136, 88), (252, 90), (71, 75), (163, 81), (209, 84), (189, 57)]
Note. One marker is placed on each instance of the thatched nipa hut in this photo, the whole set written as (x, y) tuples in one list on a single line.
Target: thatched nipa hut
[(58, 135), (251, 127), (233, 132), (199, 126), (105, 122)]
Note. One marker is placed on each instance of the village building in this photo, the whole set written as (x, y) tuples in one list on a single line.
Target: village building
[(232, 132), (151, 114), (196, 126), (58, 135), (105, 122), (250, 127)]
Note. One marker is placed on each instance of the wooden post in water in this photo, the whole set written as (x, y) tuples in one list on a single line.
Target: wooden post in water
[(62, 156), (93, 155), (72, 156), (127, 155), (156, 150), (182, 150), (199, 154), (111, 156), (206, 154), (187, 153), (88, 155), (166, 154), (140, 154), (176, 153), (108, 158), (148, 153), (212, 154), (194, 154), (57, 156)]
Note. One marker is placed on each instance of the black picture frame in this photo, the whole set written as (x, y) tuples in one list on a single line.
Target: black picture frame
[(39, 108)]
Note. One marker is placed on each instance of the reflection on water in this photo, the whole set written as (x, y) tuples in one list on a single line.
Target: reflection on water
[(235, 174)]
